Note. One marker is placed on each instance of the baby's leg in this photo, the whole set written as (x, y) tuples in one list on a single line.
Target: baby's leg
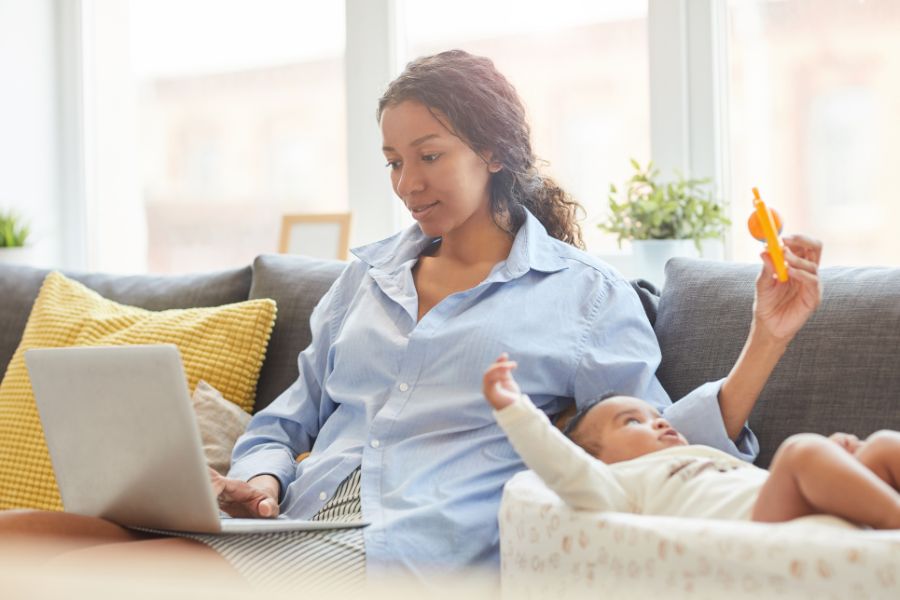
[(881, 453), (812, 475)]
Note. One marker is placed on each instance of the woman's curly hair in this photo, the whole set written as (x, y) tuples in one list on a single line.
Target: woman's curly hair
[(483, 109)]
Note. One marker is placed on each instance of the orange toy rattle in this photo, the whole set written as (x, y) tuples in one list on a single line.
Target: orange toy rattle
[(765, 225)]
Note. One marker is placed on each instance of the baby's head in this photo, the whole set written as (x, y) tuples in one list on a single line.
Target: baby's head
[(616, 428)]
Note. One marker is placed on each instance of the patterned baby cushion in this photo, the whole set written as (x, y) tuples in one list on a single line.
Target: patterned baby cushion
[(548, 550)]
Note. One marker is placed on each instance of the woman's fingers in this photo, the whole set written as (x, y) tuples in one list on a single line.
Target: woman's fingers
[(799, 262), (217, 481), (805, 247), (802, 275), (805, 274), (239, 491), (267, 508), (803, 269), (767, 275), (240, 499), (800, 252)]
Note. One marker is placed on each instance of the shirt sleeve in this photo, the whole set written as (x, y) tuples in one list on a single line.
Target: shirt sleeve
[(582, 481), (289, 425), (620, 355)]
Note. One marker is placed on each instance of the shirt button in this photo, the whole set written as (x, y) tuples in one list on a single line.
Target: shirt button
[(404, 387), (374, 443), (322, 495)]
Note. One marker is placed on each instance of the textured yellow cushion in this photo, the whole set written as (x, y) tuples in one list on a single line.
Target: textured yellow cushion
[(224, 345)]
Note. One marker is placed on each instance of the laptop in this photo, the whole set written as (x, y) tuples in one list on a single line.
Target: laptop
[(124, 441)]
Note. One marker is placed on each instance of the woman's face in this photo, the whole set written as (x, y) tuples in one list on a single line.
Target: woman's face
[(442, 182)]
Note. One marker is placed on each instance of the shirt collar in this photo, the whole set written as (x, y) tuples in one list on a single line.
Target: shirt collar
[(393, 251), (532, 248)]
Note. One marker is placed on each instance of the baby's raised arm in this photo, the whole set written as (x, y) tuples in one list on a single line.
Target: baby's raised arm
[(582, 481)]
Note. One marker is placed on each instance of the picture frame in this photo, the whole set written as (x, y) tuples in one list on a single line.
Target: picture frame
[(317, 235)]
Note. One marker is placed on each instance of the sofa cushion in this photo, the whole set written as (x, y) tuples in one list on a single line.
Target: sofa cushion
[(840, 373), (296, 283), (649, 297), (223, 345), (220, 422), (20, 285)]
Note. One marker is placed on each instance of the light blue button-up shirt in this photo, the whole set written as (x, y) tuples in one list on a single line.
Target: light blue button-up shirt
[(403, 399)]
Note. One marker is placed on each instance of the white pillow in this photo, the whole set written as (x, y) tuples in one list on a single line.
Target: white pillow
[(221, 423)]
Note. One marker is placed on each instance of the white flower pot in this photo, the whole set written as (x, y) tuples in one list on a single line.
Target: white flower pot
[(16, 255), (650, 257)]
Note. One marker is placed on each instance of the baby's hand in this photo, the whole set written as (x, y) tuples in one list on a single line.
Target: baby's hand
[(498, 385), (847, 441)]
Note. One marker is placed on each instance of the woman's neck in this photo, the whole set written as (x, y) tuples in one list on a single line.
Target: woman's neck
[(477, 241)]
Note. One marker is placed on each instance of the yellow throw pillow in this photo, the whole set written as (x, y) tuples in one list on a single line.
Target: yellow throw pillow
[(224, 345)]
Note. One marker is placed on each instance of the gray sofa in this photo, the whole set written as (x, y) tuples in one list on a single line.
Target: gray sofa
[(295, 283), (841, 373)]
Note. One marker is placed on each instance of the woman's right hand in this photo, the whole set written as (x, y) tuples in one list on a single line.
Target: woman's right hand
[(257, 498)]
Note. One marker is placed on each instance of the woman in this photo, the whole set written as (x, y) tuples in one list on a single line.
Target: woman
[(389, 400)]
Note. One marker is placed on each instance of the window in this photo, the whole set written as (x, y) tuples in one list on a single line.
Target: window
[(205, 121), (214, 120), (813, 124), (581, 69)]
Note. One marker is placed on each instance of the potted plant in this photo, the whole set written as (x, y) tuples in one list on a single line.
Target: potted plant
[(14, 234), (663, 219)]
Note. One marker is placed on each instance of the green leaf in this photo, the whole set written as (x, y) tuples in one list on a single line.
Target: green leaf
[(650, 209), (13, 231)]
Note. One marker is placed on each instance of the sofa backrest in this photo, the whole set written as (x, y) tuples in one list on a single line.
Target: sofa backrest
[(296, 283), (19, 287), (841, 372)]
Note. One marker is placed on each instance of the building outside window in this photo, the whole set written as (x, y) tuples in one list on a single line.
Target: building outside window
[(580, 68), (813, 91), (206, 121), (237, 115)]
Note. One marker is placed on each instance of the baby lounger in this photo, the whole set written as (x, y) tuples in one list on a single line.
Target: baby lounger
[(549, 550)]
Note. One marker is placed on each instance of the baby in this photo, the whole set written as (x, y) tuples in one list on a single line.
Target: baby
[(627, 458)]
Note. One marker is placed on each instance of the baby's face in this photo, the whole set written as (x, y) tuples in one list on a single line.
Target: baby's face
[(626, 428)]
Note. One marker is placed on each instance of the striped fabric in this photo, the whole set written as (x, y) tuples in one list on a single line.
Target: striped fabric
[(332, 561)]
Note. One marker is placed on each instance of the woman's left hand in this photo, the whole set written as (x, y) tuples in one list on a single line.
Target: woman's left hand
[(781, 309)]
